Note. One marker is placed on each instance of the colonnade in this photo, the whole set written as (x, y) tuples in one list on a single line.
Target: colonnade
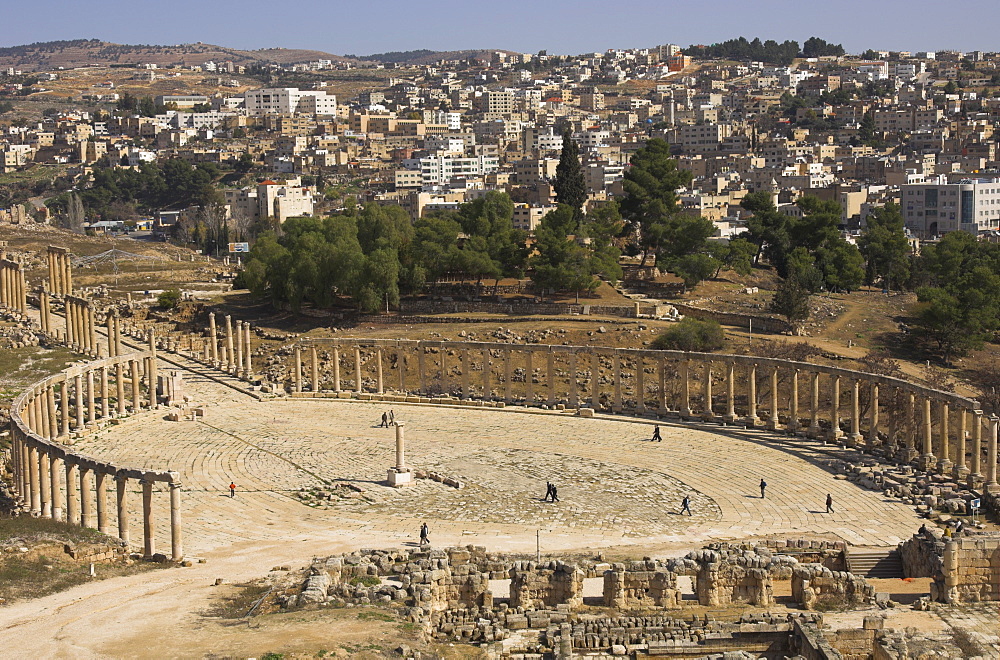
[(81, 331), (233, 352), (13, 291), (60, 271), (940, 430), (55, 481)]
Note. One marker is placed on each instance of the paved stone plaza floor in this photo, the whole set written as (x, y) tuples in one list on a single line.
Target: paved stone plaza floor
[(616, 487)]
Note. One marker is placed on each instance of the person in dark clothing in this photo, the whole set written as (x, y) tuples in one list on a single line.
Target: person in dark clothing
[(424, 535), (686, 506), (385, 421), (548, 491), (656, 434), (829, 503), (555, 493), (763, 485)]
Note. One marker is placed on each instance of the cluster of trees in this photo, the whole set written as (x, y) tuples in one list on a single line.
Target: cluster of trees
[(959, 294), (144, 106), (770, 51)]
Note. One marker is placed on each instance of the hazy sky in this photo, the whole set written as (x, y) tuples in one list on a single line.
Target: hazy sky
[(560, 26)]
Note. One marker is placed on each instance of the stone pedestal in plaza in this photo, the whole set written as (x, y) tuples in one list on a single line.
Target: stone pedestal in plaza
[(400, 475)]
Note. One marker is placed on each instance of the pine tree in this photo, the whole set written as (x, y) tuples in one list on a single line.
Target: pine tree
[(569, 184)]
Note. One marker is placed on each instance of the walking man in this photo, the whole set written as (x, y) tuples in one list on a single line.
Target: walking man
[(392, 417), (656, 434), (555, 493), (829, 503), (686, 506), (424, 535), (232, 489), (385, 421), (763, 485), (548, 491)]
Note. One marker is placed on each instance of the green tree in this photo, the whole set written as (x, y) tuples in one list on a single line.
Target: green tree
[(691, 334), (791, 300), (168, 299), (886, 250), (695, 268), (736, 254), (569, 185)]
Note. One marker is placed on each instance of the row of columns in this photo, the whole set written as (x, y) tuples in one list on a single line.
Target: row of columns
[(60, 271), (114, 331), (235, 354), (55, 482), (81, 330), (13, 290), (916, 425)]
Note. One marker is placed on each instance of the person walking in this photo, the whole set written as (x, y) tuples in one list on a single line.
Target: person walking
[(392, 417), (424, 535), (548, 491), (829, 503), (555, 493), (656, 434), (385, 421), (763, 485), (686, 506), (232, 489)]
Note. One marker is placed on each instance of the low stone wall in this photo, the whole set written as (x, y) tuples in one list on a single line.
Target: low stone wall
[(971, 568), (760, 323), (417, 307), (641, 585)]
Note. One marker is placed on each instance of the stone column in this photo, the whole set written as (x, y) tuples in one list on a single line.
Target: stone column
[(400, 448), (214, 340), (314, 368), (55, 470), (43, 303), (68, 276), (52, 271), (68, 311), (466, 367), (945, 464), (487, 389), (79, 396), (357, 369), (110, 323), (991, 485), (855, 438), (136, 400), (149, 546), (248, 349), (814, 407), (120, 388), (86, 485), (230, 364), (873, 417), (92, 328), (529, 378), (298, 368), (508, 371), (118, 334), (751, 418), (835, 432), (379, 383), (616, 366), (977, 447), (708, 414), (64, 407), (595, 380), (50, 404), (961, 471), (912, 431), (121, 485), (640, 385), (685, 402), (72, 493), (176, 549), (574, 394), (238, 343), (33, 477), (422, 371), (101, 489), (44, 482), (730, 415), (336, 368), (927, 459), (774, 423), (551, 376), (661, 372), (91, 407)]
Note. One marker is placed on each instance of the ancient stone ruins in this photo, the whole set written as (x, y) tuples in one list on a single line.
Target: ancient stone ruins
[(936, 450)]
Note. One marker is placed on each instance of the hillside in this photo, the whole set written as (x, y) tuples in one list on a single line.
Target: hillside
[(93, 52)]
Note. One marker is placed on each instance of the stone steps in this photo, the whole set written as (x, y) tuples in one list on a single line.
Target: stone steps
[(875, 563)]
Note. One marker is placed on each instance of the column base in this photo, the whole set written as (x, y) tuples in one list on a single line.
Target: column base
[(906, 454), (927, 462), (992, 489), (813, 432), (729, 418), (709, 416), (686, 413), (751, 422), (399, 477), (960, 472), (855, 440), (834, 434), (974, 481), (945, 466)]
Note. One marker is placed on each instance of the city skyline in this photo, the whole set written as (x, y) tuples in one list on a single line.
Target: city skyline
[(559, 27)]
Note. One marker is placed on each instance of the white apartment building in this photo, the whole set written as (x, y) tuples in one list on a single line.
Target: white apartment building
[(440, 169), (271, 200), (289, 101), (527, 217), (935, 208)]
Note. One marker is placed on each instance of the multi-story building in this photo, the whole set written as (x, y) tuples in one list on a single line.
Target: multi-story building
[(933, 209), (289, 100), (527, 216), (439, 169)]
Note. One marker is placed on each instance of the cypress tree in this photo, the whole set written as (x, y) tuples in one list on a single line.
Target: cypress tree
[(569, 184)]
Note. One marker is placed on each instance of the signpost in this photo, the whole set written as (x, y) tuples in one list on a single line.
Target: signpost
[(239, 247), (974, 505)]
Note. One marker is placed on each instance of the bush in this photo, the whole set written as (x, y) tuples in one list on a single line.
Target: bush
[(168, 299), (691, 335)]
